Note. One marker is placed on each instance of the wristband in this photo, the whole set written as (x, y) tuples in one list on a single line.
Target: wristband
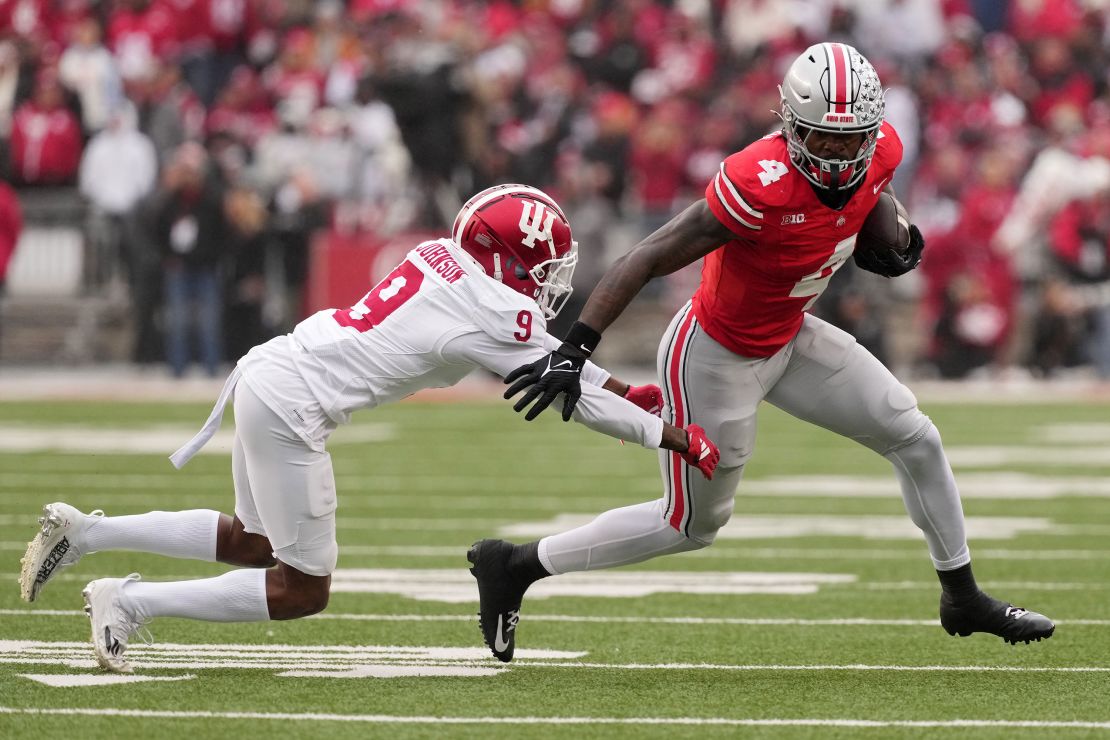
[(583, 338)]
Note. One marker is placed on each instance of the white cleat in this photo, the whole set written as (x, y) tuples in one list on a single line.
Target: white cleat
[(112, 625), (57, 545)]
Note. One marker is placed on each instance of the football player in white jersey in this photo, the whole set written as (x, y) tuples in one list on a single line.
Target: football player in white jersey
[(478, 299)]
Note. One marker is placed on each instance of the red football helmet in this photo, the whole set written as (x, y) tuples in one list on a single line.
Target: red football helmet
[(519, 236)]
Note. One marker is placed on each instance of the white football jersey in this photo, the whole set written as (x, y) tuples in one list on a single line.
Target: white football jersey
[(427, 324)]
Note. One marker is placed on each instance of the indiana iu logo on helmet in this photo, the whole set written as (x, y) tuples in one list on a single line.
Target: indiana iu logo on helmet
[(537, 227)]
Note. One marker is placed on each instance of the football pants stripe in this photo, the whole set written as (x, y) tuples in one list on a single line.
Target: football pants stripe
[(668, 401), (674, 381)]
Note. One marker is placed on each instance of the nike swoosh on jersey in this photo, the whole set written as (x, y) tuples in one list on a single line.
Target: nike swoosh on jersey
[(875, 190)]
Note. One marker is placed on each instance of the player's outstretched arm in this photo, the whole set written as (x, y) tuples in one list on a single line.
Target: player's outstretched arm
[(684, 239), (648, 397), (697, 450)]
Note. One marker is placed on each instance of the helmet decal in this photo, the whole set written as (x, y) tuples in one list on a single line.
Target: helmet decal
[(538, 227)]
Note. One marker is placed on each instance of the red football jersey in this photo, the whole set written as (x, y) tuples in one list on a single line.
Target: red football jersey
[(755, 288)]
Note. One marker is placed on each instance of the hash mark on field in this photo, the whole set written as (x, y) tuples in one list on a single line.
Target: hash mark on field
[(68, 680), (441, 720)]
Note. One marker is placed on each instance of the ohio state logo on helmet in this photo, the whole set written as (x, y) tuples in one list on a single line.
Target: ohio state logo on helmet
[(834, 89), (519, 236)]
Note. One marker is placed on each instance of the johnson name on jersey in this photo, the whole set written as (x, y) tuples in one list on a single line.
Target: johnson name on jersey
[(788, 244)]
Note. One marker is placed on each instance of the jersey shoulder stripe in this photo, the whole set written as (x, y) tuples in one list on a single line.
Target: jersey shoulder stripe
[(750, 181), (731, 200)]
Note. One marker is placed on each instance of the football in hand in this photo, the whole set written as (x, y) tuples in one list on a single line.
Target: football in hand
[(886, 227)]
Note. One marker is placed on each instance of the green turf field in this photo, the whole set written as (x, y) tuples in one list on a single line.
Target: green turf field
[(814, 614)]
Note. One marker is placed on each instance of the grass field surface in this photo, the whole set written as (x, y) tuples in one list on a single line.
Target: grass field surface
[(813, 615)]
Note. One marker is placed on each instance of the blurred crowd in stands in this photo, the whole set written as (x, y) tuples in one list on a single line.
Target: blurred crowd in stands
[(213, 139)]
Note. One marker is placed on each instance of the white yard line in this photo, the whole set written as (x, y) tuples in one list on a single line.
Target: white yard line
[(576, 618), (444, 720)]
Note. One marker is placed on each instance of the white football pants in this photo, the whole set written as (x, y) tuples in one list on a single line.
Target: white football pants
[(284, 490), (822, 376)]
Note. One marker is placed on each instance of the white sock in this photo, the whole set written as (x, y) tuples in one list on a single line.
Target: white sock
[(178, 534), (236, 596), (617, 537)]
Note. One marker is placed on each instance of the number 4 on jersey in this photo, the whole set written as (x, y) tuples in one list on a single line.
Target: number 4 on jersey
[(773, 170)]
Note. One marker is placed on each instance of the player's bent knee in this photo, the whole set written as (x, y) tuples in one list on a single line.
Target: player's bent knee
[(236, 546), (292, 594), (897, 421), (703, 529)]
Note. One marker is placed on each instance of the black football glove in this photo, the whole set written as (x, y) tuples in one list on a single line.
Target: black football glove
[(558, 372), (892, 263)]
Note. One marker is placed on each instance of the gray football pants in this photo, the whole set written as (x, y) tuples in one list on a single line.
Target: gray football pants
[(822, 376)]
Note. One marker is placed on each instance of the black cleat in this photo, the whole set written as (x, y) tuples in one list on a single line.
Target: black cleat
[(499, 596), (987, 614)]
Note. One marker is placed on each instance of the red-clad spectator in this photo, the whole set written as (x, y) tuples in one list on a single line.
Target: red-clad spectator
[(140, 34), (242, 110), (966, 251), (1060, 79), (658, 163), (46, 135), (64, 18), (1038, 19), (499, 18), (365, 11), (1079, 237), (24, 18), (294, 79), (685, 57), (1080, 241), (11, 225)]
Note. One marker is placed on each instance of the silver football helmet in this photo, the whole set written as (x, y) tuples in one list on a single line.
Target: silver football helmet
[(833, 88)]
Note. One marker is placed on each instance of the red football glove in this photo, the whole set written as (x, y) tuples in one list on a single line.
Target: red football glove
[(702, 453), (647, 397)]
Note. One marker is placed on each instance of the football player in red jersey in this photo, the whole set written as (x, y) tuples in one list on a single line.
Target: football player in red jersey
[(777, 221)]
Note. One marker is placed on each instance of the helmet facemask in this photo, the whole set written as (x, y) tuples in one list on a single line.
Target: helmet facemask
[(553, 277), (829, 174), (831, 88)]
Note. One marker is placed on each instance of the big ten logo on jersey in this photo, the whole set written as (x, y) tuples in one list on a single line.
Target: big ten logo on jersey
[(536, 226)]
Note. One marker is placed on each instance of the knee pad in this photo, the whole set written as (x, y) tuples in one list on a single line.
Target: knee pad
[(923, 449), (707, 520), (900, 422)]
